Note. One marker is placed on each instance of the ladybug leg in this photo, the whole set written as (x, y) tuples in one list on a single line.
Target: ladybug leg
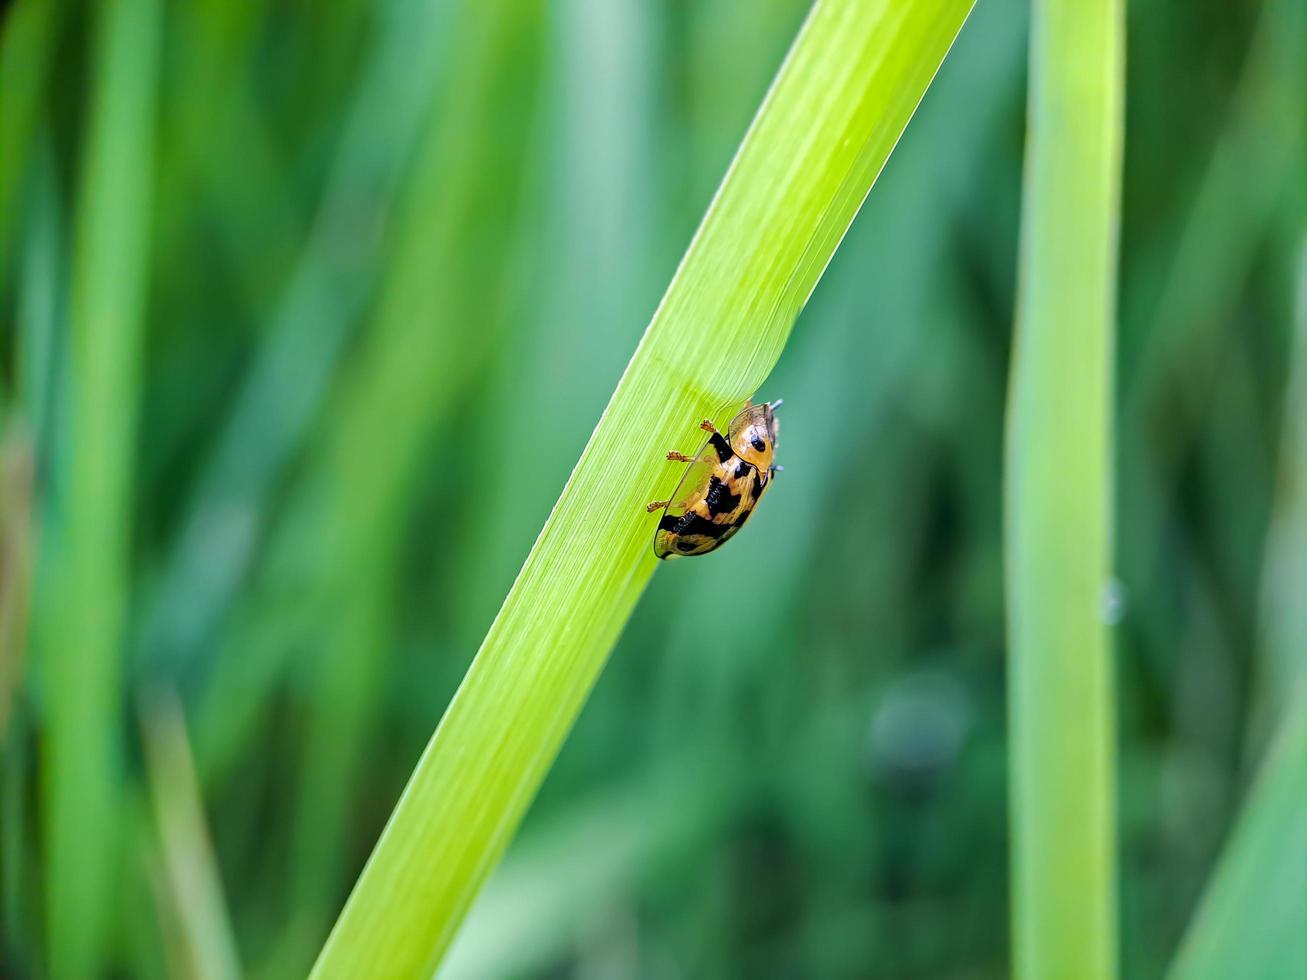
[(676, 457), (724, 451), (654, 505)]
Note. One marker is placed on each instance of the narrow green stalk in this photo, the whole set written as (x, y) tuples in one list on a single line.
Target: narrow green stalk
[(36, 309), (17, 475), (191, 886), (1058, 498), (847, 89), (82, 617)]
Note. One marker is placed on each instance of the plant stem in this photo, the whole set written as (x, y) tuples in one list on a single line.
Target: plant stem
[(81, 618), (1058, 498)]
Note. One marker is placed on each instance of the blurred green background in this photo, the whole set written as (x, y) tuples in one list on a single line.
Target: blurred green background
[(394, 258)]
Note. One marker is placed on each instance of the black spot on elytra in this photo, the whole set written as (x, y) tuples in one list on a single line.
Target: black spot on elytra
[(691, 523), (742, 470), (724, 451), (720, 500), (758, 444)]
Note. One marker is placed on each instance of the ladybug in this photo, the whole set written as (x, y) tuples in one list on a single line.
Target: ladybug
[(721, 486)]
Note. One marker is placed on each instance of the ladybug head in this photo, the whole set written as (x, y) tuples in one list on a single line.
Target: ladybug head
[(753, 434)]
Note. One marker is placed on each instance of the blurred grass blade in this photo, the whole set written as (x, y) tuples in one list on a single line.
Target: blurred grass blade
[(1178, 324), (1058, 509), (191, 884), (40, 306), (410, 370), (17, 862), (1282, 616), (585, 861), (270, 417), (1241, 187), (17, 467), (840, 102), (1252, 921), (83, 618), (26, 49), (38, 313)]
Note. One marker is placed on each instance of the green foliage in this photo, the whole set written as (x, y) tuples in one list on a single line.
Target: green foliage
[(1249, 923), (401, 386), (24, 65), (82, 619), (399, 256), (194, 910), (1058, 504)]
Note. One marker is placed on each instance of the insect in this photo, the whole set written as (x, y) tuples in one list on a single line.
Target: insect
[(721, 486)]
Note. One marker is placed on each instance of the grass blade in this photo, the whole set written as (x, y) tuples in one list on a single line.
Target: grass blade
[(83, 634), (17, 475), (191, 885), (1281, 667), (320, 304), (26, 49), (1059, 478), (1250, 921), (409, 371), (840, 102)]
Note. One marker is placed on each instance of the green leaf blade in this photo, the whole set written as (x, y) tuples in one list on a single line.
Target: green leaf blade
[(1251, 921), (845, 93), (1058, 498), (82, 617)]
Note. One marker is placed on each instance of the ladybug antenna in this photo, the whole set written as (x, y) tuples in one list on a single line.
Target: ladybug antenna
[(776, 404)]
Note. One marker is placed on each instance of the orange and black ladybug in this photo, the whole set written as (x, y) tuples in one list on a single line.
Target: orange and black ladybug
[(722, 485)]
